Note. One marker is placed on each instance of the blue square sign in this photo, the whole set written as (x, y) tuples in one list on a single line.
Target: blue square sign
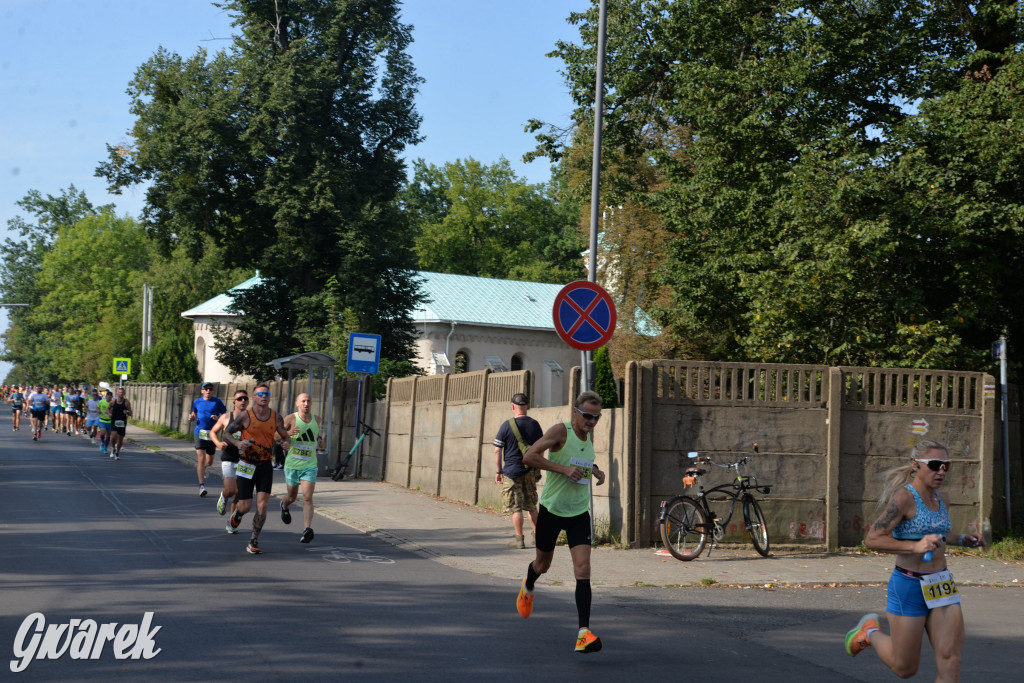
[(363, 353)]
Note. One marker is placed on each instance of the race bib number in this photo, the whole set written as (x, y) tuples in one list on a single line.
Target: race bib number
[(245, 470), (54, 404), (586, 465), (237, 435), (119, 424), (301, 451), (939, 589), (204, 434)]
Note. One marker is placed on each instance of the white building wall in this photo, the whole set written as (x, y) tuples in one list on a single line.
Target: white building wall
[(205, 347), (479, 341)]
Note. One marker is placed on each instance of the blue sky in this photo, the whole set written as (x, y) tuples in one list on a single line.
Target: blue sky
[(65, 65)]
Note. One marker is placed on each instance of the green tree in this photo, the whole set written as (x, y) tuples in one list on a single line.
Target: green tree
[(21, 281), (285, 150), (474, 219), (172, 359), (266, 329), (91, 311), (604, 379), (839, 180)]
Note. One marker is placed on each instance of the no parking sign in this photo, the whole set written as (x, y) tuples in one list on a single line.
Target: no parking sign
[(584, 315)]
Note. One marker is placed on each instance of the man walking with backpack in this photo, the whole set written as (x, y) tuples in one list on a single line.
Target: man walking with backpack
[(514, 437)]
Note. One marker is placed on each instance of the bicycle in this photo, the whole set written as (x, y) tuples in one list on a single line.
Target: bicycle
[(686, 522)]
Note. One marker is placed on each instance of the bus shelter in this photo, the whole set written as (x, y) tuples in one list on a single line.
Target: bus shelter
[(316, 365)]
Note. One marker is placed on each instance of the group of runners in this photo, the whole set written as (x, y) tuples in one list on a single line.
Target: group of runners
[(245, 435), (74, 411), (915, 525)]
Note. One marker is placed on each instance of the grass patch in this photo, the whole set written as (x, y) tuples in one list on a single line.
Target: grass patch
[(708, 581), (1009, 545), (162, 430), (643, 584), (604, 534)]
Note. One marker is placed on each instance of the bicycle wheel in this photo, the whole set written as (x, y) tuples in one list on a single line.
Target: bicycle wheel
[(757, 526), (683, 528)]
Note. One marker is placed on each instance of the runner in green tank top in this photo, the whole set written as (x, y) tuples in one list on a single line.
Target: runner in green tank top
[(565, 505), (300, 466)]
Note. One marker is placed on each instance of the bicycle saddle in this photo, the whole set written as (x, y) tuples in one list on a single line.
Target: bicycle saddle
[(694, 471)]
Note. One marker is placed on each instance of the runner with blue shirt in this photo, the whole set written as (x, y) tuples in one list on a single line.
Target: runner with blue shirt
[(205, 411), (922, 595)]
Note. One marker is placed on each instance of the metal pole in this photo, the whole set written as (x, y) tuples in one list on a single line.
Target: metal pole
[(359, 421), (587, 383), (1005, 417)]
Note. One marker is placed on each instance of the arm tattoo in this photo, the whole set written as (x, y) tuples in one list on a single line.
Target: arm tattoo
[(891, 514)]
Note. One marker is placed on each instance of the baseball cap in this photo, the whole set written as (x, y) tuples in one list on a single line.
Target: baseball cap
[(206, 385), (520, 400)]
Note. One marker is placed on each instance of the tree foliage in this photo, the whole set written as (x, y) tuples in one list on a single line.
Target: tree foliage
[(604, 379), (21, 280), (475, 219), (172, 359), (841, 181), (285, 151)]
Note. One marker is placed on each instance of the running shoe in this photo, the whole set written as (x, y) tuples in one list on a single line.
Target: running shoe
[(857, 640), (286, 515), (35, 438), (235, 521), (254, 547), (524, 601), (202, 490), (278, 467), (587, 642), (230, 529), (307, 535), (221, 504)]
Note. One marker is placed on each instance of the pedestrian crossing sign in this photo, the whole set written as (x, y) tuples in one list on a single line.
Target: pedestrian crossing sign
[(122, 366)]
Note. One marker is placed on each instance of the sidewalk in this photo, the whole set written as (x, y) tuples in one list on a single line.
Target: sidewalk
[(474, 539)]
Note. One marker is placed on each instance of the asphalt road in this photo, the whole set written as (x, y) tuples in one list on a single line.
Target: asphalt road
[(84, 537)]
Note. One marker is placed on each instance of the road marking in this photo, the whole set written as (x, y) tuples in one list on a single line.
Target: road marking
[(346, 555)]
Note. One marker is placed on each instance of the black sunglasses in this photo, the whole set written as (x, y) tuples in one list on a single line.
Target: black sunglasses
[(589, 416), (241, 398), (936, 465)]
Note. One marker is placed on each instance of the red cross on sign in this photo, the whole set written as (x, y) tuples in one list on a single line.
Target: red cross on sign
[(584, 315)]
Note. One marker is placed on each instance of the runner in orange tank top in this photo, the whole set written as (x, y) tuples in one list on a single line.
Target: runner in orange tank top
[(255, 472)]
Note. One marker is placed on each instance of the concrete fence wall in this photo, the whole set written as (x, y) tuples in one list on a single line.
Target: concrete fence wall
[(169, 405), (824, 436)]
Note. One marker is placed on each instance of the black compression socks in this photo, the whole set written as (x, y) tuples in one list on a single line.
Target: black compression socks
[(531, 577), (583, 597)]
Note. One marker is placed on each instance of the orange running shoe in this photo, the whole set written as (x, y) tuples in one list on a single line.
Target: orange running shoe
[(857, 640), (524, 601), (587, 642)]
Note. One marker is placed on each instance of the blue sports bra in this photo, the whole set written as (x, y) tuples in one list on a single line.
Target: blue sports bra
[(924, 521)]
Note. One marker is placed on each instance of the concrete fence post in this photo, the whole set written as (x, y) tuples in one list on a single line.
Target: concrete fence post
[(833, 427)]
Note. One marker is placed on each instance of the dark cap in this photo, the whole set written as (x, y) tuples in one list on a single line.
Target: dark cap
[(520, 400), (206, 385)]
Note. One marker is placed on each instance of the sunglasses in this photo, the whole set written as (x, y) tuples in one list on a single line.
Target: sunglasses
[(589, 416), (936, 465), (241, 398), (263, 394)]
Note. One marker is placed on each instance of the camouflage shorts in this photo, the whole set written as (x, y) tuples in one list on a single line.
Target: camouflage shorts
[(521, 494)]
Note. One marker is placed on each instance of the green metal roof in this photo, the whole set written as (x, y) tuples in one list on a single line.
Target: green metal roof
[(459, 298), (486, 301), (217, 306)]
